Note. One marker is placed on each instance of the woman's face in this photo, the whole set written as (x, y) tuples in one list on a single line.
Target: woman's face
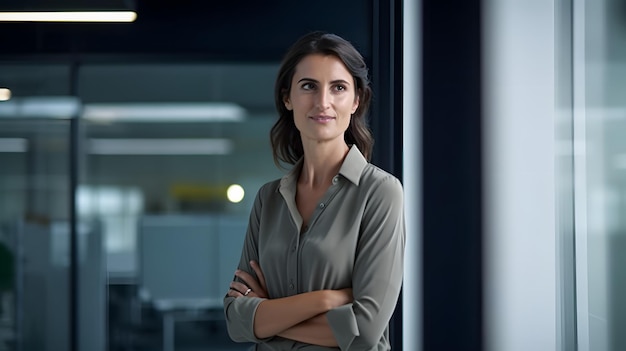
[(322, 98)]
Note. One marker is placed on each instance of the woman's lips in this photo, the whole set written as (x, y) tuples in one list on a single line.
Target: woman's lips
[(322, 119)]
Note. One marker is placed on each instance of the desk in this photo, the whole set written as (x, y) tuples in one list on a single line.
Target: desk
[(185, 266), (171, 316)]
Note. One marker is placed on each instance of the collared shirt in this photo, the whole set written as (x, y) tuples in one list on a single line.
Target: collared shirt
[(355, 239)]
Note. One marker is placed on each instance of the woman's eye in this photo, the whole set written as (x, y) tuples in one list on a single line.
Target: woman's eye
[(340, 88), (307, 86)]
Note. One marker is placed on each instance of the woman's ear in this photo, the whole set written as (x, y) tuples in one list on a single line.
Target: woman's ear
[(355, 105), (288, 104)]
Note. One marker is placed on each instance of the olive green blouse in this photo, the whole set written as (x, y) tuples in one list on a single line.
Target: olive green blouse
[(355, 239)]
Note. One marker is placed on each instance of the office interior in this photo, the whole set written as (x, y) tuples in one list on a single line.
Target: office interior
[(131, 152)]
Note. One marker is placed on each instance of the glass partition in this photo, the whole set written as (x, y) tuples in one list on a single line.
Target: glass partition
[(169, 157), (34, 207), (173, 156), (600, 126)]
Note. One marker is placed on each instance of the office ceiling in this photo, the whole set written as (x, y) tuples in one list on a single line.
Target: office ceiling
[(243, 30)]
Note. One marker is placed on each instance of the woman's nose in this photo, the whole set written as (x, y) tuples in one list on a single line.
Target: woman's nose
[(323, 100)]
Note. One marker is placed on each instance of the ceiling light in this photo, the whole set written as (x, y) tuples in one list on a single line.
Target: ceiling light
[(36, 107), (164, 112), (13, 145), (235, 193), (69, 16), (160, 146), (5, 94)]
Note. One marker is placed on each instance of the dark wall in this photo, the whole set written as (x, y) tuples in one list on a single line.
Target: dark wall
[(452, 175)]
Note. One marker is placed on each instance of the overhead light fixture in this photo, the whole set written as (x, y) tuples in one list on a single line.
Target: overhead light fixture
[(5, 94), (160, 146), (70, 106), (68, 11), (41, 107), (13, 145), (235, 193), (69, 16), (164, 112)]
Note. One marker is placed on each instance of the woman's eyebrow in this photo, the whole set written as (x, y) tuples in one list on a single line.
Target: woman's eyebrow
[(308, 80), (336, 81)]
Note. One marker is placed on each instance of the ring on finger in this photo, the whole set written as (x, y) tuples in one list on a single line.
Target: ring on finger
[(247, 292)]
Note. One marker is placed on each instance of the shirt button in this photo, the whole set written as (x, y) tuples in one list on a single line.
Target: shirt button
[(335, 179), (291, 286), (322, 205)]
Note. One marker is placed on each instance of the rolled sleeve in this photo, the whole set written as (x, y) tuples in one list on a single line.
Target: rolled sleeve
[(239, 312), (343, 323), (240, 318), (378, 270)]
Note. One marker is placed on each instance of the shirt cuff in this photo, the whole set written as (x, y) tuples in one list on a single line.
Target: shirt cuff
[(342, 322), (240, 314)]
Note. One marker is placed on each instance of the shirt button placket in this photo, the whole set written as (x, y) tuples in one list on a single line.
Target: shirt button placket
[(292, 266)]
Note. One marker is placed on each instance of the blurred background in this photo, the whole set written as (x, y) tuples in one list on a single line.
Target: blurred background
[(131, 152)]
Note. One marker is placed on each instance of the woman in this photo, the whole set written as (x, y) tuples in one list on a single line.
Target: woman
[(322, 261)]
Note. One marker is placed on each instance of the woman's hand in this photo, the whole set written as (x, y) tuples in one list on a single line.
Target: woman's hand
[(250, 286)]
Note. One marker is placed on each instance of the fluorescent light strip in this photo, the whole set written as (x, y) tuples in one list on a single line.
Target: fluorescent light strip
[(160, 146), (5, 94), (47, 107), (70, 16), (13, 145), (164, 112)]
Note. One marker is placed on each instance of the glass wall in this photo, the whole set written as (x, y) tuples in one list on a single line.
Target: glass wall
[(173, 156), (170, 156), (556, 183), (34, 207), (599, 125)]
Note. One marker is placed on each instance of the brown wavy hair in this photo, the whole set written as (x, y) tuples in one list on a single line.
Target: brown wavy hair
[(284, 136)]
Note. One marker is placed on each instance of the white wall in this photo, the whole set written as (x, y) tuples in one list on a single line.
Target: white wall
[(519, 136)]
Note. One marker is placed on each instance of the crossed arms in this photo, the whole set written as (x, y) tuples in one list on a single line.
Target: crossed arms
[(300, 317)]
